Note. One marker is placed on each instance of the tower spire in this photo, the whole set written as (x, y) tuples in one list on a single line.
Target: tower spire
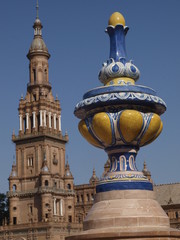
[(37, 10)]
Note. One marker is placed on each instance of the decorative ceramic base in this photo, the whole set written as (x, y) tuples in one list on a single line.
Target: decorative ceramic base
[(123, 173)]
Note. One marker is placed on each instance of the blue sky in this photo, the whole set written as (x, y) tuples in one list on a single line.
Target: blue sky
[(74, 34)]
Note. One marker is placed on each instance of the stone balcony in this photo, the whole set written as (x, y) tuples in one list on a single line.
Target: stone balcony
[(44, 133), (40, 190), (35, 84)]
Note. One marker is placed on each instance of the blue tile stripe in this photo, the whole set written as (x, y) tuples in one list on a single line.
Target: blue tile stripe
[(124, 186)]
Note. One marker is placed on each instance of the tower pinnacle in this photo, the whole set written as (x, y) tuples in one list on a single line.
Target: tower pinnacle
[(37, 10), (38, 46)]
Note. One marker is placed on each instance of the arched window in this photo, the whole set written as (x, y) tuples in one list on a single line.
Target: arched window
[(14, 220), (177, 215), (79, 218), (68, 186), (34, 75), (77, 198), (45, 74), (70, 219), (34, 96), (30, 161), (46, 183), (30, 209), (14, 187), (47, 205)]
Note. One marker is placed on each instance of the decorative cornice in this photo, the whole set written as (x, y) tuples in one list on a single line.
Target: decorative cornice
[(37, 136), (40, 190), (119, 98)]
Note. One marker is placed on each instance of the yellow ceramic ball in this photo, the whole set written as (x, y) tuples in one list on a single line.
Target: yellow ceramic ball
[(116, 18), (101, 126), (86, 134)]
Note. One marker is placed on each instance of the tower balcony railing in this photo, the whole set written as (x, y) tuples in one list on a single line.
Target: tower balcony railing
[(44, 83), (40, 190), (55, 190), (44, 131)]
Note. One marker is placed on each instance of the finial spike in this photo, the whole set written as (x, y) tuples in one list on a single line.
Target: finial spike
[(37, 9), (145, 166)]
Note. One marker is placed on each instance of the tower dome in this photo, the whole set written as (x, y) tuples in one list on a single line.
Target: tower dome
[(38, 45)]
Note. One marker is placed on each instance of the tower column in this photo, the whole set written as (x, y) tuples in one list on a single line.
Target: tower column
[(61, 207), (55, 210), (50, 124), (44, 118), (55, 121), (40, 118), (34, 119), (20, 122), (27, 120), (59, 120)]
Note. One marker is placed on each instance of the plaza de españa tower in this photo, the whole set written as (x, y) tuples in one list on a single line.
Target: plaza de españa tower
[(39, 182)]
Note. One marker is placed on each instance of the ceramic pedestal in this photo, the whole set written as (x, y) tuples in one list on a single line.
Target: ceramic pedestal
[(120, 117)]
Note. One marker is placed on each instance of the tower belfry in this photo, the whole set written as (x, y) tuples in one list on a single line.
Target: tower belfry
[(38, 186)]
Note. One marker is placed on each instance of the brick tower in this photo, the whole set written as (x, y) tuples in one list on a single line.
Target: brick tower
[(40, 184)]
